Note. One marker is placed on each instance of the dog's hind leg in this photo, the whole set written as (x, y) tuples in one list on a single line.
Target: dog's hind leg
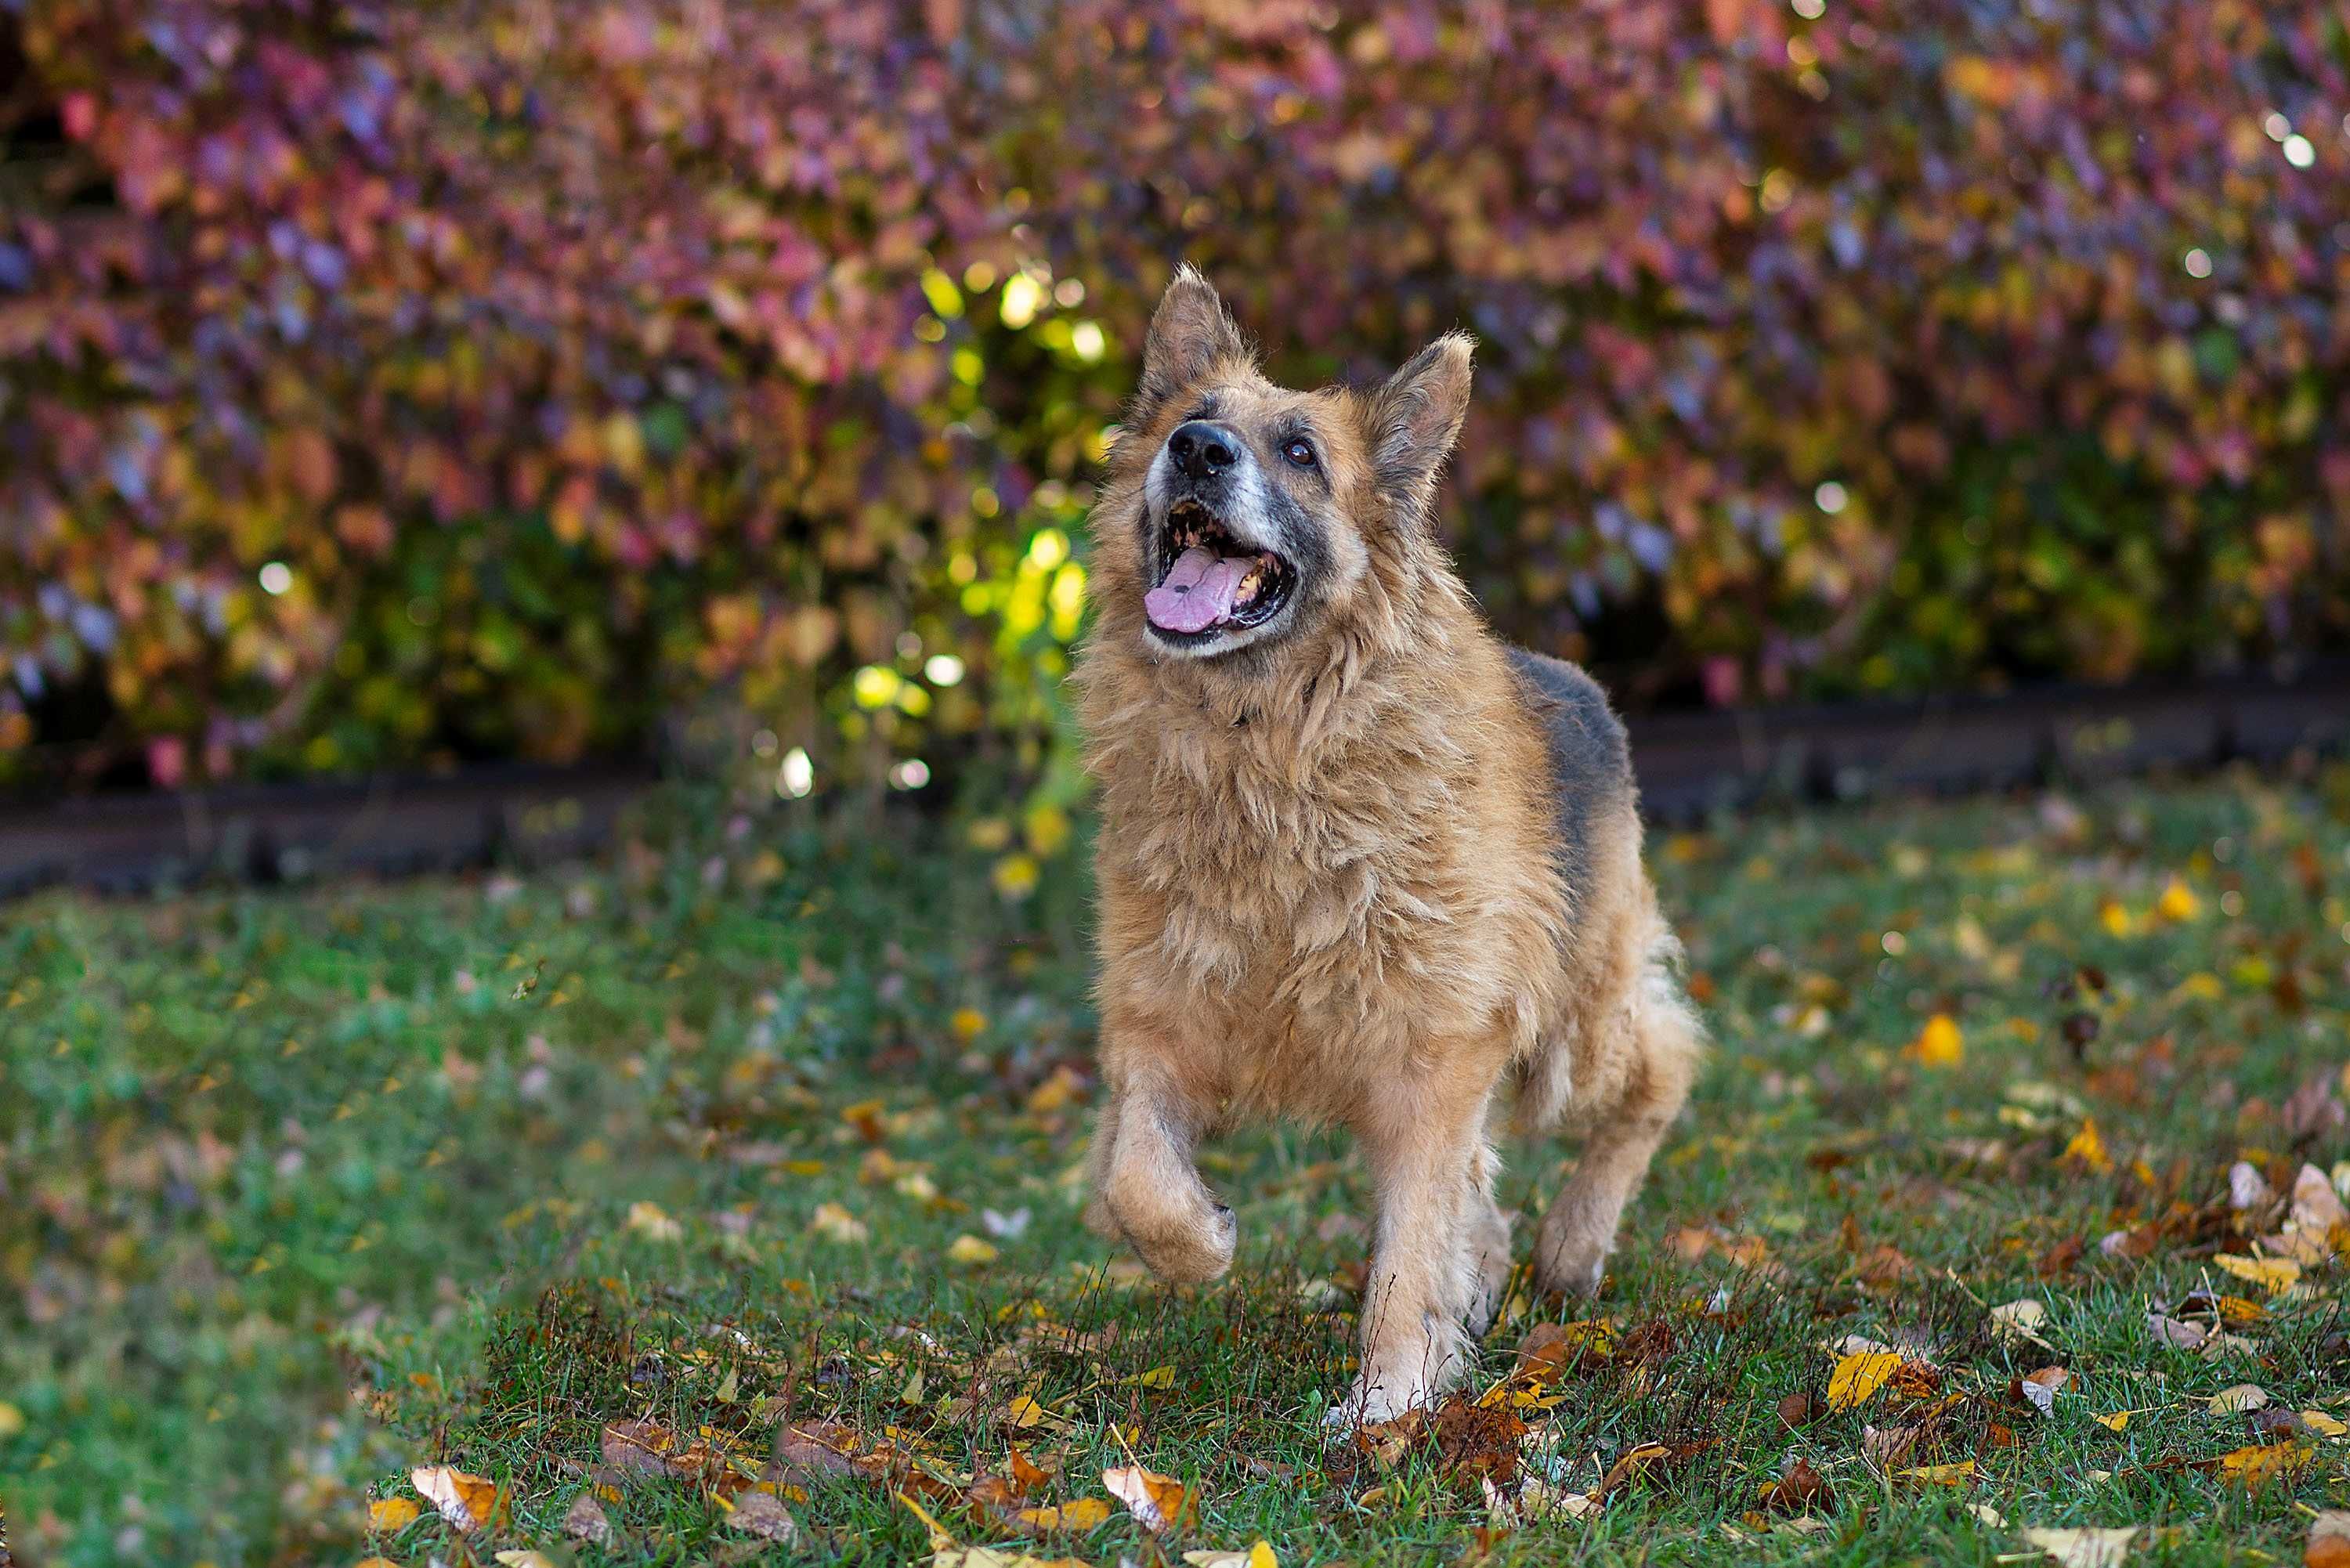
[(1579, 1230), (1485, 1248)]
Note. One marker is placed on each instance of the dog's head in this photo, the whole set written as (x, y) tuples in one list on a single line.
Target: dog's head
[(1255, 513)]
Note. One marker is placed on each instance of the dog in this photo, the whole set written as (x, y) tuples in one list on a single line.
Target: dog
[(1359, 862)]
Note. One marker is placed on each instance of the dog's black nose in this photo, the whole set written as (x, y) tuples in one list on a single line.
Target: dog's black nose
[(1203, 450)]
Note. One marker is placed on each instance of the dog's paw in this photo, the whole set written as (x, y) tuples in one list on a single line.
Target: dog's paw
[(1572, 1270), (1368, 1407), (1191, 1254)]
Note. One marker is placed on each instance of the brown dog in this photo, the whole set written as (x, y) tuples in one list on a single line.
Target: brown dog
[(1360, 861)]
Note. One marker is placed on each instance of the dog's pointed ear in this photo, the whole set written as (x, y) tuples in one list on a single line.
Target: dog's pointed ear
[(1189, 333), (1416, 418)]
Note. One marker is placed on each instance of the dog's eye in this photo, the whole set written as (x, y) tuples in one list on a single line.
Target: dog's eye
[(1299, 452)]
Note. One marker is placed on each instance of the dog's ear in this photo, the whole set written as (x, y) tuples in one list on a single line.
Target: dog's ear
[(1416, 418), (1189, 333)]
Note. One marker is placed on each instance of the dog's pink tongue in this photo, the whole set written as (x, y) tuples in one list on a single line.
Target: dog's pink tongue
[(1198, 593)]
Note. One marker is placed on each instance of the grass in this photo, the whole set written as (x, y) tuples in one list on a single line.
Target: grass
[(299, 1190)]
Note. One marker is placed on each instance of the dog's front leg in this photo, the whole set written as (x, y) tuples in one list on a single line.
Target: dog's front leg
[(1426, 1146), (1147, 1189)]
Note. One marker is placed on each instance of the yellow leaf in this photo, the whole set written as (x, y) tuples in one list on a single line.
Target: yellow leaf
[(2275, 1273), (2255, 1467), (1054, 1092), (1086, 1513), (12, 1420), (2114, 1422), (468, 1501), (2324, 1425), (389, 1514), (967, 1023), (1155, 1500), (2089, 1147), (1941, 1043), (1941, 1475), (1860, 1376), (2116, 920), (1156, 1377), (648, 1220), (835, 1223), (375, 1562), (526, 1559), (968, 1249), (2177, 902), (1258, 1556)]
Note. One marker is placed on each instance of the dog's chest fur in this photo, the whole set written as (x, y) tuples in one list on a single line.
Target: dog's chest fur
[(1304, 889)]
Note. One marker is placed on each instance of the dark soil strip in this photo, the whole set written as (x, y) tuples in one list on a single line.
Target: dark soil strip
[(1690, 763)]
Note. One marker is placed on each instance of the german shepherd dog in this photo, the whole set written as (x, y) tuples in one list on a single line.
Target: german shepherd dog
[(1359, 861)]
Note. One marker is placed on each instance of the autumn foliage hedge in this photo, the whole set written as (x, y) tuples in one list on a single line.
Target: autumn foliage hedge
[(382, 382)]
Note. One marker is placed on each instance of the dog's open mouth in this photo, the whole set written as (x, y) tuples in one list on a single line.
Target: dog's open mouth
[(1208, 582)]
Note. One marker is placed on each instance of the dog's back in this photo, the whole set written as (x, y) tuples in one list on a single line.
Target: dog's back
[(1589, 756)]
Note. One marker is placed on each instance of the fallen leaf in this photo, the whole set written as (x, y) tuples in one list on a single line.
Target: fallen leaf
[(2114, 1422), (946, 1553), (2272, 1273), (1004, 1227), (2247, 1189), (1258, 1556), (638, 1448), (968, 1249), (1939, 1044), (388, 1515), (2257, 1465), (2234, 1401), (2021, 1320), (585, 1521), (1987, 1514), (648, 1220), (2086, 1548), (524, 1559), (835, 1223), (1086, 1513), (1857, 1377), (1958, 1474), (1886, 1447), (2039, 1389), (2324, 1425), (2329, 1540), (1155, 1500), (2170, 1331), (1799, 1487), (466, 1502), (2088, 1147), (763, 1514)]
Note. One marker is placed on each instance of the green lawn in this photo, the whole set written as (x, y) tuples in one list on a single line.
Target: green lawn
[(302, 1191)]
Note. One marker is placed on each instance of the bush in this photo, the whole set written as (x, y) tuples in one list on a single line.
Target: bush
[(393, 382)]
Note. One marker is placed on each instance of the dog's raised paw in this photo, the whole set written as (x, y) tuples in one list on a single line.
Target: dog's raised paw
[(1194, 1254)]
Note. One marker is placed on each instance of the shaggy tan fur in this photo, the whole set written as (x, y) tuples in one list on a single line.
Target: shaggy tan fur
[(1346, 876)]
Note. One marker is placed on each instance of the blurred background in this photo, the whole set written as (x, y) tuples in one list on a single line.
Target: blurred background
[(399, 387)]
